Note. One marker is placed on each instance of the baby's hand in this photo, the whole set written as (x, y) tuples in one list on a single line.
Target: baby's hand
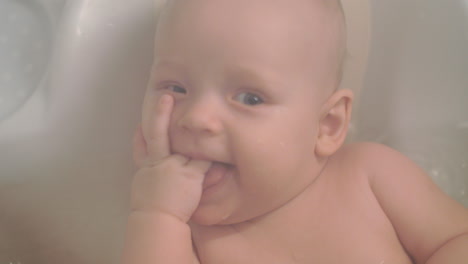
[(165, 183)]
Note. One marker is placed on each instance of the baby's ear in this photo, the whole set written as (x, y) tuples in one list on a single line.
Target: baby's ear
[(334, 121)]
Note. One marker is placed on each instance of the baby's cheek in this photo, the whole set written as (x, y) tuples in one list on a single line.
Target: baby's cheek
[(172, 135), (260, 156), (178, 137)]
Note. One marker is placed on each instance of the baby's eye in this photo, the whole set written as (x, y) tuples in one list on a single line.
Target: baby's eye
[(249, 99), (177, 89)]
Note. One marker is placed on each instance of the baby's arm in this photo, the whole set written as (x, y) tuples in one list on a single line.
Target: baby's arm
[(431, 226), (165, 192), (157, 238)]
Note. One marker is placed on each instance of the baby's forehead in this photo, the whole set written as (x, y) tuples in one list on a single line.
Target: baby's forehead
[(312, 17), (313, 28)]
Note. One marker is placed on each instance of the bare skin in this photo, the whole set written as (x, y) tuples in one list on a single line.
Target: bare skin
[(241, 151)]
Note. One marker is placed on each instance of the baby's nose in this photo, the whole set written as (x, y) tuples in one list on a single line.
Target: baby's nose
[(201, 118)]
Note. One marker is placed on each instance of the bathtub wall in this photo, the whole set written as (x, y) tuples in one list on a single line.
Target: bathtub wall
[(415, 92), (65, 157)]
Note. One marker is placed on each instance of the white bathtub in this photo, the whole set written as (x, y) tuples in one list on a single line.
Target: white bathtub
[(65, 162)]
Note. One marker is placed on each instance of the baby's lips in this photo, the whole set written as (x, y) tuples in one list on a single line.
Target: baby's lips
[(215, 174)]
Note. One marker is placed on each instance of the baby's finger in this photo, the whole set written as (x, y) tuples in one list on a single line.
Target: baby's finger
[(139, 147), (157, 139), (200, 165)]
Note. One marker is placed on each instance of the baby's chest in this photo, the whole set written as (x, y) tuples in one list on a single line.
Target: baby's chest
[(333, 249), (348, 228)]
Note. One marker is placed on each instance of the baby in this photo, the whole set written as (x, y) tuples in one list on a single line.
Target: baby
[(241, 156)]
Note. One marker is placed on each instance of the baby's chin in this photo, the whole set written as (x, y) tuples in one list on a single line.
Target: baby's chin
[(208, 215), (212, 215), (225, 214)]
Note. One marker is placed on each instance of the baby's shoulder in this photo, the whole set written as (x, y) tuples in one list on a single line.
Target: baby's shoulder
[(377, 164), (372, 158), (365, 150), (409, 197)]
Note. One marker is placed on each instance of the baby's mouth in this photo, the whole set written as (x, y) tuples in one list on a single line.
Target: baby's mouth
[(216, 173)]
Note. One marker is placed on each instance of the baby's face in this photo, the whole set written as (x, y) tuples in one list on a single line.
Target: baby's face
[(249, 78)]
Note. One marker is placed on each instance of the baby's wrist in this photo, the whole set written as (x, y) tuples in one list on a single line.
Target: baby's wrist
[(178, 212), (152, 236)]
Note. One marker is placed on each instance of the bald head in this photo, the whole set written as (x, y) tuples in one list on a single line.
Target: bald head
[(321, 21), (336, 11)]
